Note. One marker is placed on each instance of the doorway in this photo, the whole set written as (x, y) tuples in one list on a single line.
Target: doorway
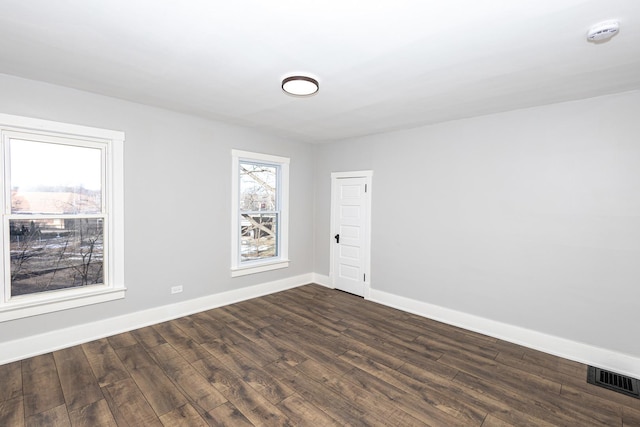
[(351, 231)]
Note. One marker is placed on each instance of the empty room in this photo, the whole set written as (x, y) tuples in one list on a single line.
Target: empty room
[(283, 213)]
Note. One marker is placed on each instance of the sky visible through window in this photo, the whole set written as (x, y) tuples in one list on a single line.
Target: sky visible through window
[(37, 164)]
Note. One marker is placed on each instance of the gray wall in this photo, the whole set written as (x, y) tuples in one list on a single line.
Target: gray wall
[(530, 217), (177, 199)]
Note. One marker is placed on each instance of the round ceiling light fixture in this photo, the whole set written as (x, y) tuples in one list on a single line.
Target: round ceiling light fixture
[(300, 86)]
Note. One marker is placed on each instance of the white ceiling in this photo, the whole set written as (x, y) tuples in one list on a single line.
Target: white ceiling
[(382, 64)]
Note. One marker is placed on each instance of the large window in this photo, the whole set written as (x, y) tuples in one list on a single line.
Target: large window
[(260, 212), (62, 216)]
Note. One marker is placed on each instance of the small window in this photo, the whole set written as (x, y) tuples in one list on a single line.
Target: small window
[(62, 216), (260, 212)]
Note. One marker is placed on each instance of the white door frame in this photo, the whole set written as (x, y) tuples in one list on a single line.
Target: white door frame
[(335, 176)]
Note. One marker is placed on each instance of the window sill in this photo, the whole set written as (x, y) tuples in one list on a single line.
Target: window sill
[(26, 307), (258, 268)]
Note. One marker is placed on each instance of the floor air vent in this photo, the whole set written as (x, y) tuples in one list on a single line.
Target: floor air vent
[(613, 381)]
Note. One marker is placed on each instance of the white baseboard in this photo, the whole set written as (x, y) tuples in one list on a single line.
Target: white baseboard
[(321, 279), (44, 343), (595, 356), (62, 338)]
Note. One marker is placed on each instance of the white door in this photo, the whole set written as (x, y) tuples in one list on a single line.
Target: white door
[(350, 209)]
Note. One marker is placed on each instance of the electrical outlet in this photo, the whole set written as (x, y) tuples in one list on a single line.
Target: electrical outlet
[(176, 289)]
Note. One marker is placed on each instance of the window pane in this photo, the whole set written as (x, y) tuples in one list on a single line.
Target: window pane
[(258, 187), (51, 178), (50, 254), (258, 236)]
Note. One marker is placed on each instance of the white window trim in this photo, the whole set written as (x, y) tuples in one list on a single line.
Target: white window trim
[(47, 302), (282, 260)]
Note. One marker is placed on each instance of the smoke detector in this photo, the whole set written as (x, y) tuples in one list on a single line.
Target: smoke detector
[(603, 31)]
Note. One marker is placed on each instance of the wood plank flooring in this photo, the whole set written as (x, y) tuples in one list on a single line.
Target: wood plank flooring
[(309, 356)]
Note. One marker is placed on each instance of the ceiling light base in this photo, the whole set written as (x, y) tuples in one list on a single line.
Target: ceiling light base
[(300, 86)]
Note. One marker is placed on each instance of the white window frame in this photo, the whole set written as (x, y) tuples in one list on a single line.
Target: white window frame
[(112, 142), (239, 268)]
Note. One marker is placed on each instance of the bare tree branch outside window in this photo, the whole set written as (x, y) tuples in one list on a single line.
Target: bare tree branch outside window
[(46, 257), (57, 225), (259, 211)]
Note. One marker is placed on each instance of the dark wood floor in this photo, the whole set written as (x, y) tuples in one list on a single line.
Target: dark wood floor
[(311, 357)]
